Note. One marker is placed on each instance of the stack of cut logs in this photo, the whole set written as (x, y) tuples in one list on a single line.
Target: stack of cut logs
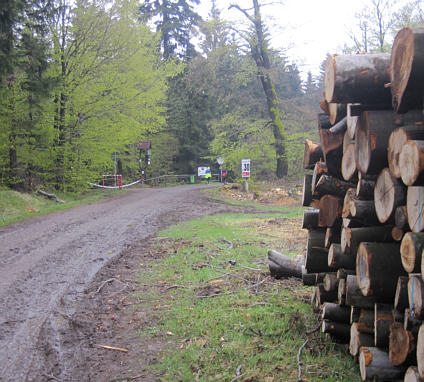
[(366, 224)]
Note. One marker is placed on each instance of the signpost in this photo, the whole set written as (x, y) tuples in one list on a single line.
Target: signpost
[(245, 173), (220, 162), (115, 157)]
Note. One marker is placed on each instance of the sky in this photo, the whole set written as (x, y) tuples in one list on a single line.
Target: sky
[(307, 29)]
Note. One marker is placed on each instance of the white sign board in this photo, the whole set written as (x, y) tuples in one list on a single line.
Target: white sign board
[(201, 171), (245, 168)]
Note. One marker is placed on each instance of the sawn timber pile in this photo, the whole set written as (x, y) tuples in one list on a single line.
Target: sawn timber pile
[(366, 224)]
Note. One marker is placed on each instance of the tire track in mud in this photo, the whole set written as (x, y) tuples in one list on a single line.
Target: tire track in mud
[(47, 263)]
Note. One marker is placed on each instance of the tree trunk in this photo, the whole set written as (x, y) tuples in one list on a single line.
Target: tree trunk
[(374, 363), (330, 210), (336, 259), (335, 312), (307, 190), (312, 154), (415, 208), (328, 185), (337, 329), (283, 266), (411, 251), (389, 193), (378, 267), (357, 78), (310, 218), (411, 161), (401, 301), (397, 139), (352, 237), (406, 70)]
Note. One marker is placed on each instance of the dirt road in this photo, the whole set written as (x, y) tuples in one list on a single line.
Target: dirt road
[(47, 263)]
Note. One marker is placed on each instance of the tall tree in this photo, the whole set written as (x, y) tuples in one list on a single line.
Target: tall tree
[(260, 52), (175, 20)]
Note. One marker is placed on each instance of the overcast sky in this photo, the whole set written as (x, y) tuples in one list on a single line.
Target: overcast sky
[(309, 29)]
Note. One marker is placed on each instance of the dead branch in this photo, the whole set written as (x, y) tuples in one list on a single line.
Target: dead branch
[(299, 362), (175, 286), (109, 281), (231, 246)]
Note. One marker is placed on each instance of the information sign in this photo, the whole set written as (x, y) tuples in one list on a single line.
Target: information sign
[(245, 168)]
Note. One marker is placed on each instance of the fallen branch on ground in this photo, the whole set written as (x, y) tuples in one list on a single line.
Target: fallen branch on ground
[(112, 348), (109, 281)]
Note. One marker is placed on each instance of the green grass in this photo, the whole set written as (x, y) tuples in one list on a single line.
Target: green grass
[(16, 206), (224, 313)]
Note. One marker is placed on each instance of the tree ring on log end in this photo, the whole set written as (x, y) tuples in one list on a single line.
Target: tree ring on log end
[(363, 260), (415, 208), (401, 64), (397, 139), (330, 77), (384, 196), (408, 253), (410, 161), (362, 144)]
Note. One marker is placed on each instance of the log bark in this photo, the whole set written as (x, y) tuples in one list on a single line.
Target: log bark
[(349, 168), (383, 318), (325, 296), (415, 208), (343, 273), (312, 154), (337, 329), (363, 210), (359, 339), (389, 193), (412, 375), (332, 236), (335, 312), (378, 267), (332, 146), (352, 237), (411, 161), (401, 217), (375, 363), (316, 255), (406, 69), (401, 301), (283, 266), (365, 188), (328, 185), (341, 292), (401, 345), (336, 259), (354, 296), (420, 351), (337, 113), (320, 169), (307, 190), (411, 249), (330, 210), (397, 139), (357, 78), (310, 218), (309, 279), (416, 296), (347, 201), (324, 118)]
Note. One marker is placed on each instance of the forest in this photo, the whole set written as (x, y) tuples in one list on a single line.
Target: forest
[(82, 79)]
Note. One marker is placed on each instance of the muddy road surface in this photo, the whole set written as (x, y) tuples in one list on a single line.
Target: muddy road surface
[(47, 264)]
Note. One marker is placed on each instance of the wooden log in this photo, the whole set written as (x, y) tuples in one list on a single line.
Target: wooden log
[(320, 169), (358, 339), (335, 312), (352, 223), (363, 210), (349, 162), (372, 137), (307, 190), (378, 267), (401, 345), (411, 161), (411, 323), (337, 113), (364, 318), (324, 118), (332, 236), (401, 301), (351, 120), (325, 296), (316, 258), (341, 292), (416, 296), (406, 73), (374, 363), (346, 142), (412, 375), (420, 351), (389, 193), (354, 314), (397, 233), (383, 318), (312, 153), (354, 296), (401, 217), (332, 147), (336, 259), (365, 188), (283, 266), (331, 282), (309, 279), (328, 185), (343, 273), (347, 200), (330, 210), (320, 277), (411, 249), (397, 139), (415, 208), (310, 218), (357, 78), (352, 237), (337, 329)]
